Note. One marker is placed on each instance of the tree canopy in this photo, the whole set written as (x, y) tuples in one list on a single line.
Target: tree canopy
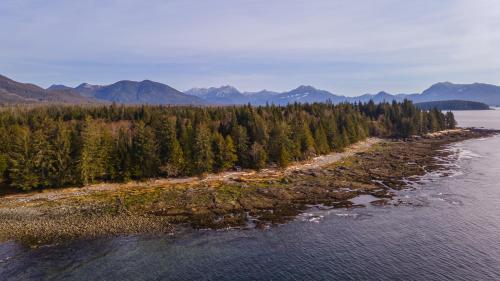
[(53, 146)]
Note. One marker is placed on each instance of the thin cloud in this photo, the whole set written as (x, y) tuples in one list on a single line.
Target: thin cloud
[(348, 47)]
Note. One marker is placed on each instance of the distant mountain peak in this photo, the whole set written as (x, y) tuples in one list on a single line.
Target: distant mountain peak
[(229, 88), (305, 88), (444, 84), (144, 92), (13, 92), (86, 85), (224, 89), (225, 94), (58, 87)]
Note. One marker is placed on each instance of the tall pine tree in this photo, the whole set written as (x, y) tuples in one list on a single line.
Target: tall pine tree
[(170, 152), (202, 151), (145, 152)]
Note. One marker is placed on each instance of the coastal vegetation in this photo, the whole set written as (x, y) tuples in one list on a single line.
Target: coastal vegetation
[(56, 146), (375, 168)]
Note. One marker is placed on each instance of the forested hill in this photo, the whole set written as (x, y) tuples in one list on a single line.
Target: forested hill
[(57, 146), (453, 105), (13, 92)]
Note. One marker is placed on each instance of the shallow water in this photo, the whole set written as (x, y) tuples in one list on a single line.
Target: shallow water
[(447, 227)]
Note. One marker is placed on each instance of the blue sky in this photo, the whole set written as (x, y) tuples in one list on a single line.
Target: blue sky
[(347, 47)]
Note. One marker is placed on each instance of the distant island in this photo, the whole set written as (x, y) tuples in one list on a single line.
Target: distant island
[(453, 105)]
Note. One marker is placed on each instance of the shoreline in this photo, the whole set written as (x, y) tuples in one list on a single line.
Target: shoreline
[(374, 167)]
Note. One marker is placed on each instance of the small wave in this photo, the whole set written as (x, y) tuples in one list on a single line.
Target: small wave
[(467, 154), (311, 217), (345, 215), (316, 219)]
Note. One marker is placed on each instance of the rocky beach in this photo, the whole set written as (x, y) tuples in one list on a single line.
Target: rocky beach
[(236, 199)]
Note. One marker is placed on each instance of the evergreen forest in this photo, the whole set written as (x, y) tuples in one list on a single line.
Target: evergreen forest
[(56, 146)]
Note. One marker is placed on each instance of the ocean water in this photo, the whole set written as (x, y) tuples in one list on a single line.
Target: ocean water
[(445, 228)]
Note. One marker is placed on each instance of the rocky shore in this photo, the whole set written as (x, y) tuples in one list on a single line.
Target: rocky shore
[(258, 199)]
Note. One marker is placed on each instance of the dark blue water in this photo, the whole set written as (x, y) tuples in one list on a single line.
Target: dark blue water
[(448, 228)]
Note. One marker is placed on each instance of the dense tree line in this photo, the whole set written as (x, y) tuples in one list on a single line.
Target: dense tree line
[(73, 145), (453, 105)]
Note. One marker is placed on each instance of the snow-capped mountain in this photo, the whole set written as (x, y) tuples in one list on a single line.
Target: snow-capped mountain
[(303, 94), (87, 90), (220, 95), (378, 98), (150, 92), (231, 95)]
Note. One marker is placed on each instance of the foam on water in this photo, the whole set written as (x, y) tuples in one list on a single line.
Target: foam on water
[(467, 154), (364, 199)]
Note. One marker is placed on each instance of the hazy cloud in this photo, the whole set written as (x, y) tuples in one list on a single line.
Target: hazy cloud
[(348, 47)]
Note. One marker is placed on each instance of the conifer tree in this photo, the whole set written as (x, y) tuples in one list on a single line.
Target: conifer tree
[(333, 134), (107, 148), (432, 122), (218, 149), (450, 120), (186, 140), (61, 145), (4, 149), (279, 147), (92, 162), (123, 154), (42, 158), (258, 156), (321, 142), (230, 157), (3, 166), (202, 151), (294, 147), (22, 172), (307, 143), (145, 152), (284, 157), (240, 137), (171, 154)]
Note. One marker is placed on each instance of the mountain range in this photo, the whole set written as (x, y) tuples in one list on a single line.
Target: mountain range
[(477, 92), (124, 92), (13, 92), (150, 92)]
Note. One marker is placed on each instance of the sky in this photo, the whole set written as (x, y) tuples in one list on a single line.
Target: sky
[(347, 47)]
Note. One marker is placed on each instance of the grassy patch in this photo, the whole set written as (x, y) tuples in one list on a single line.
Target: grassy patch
[(229, 192)]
